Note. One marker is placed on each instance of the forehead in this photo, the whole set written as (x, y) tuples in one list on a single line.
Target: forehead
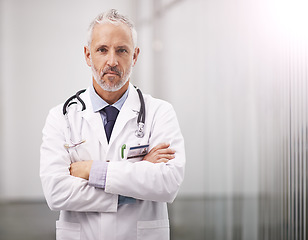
[(112, 34)]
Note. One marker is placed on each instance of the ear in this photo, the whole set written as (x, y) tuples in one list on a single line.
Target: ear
[(87, 55), (135, 56)]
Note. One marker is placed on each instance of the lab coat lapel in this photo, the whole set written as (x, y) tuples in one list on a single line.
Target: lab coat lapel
[(95, 121), (128, 111)]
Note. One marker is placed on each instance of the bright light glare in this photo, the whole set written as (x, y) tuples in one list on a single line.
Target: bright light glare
[(292, 16)]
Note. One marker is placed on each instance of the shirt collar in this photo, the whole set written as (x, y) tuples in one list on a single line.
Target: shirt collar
[(98, 103)]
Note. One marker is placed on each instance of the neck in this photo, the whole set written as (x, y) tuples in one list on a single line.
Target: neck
[(110, 97)]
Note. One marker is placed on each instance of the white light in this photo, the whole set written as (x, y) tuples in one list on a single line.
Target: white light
[(291, 16)]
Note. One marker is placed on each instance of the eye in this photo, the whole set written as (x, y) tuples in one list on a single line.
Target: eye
[(102, 49), (122, 50)]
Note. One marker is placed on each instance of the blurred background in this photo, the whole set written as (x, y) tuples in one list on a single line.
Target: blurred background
[(236, 73)]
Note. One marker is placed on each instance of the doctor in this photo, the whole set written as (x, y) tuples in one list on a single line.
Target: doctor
[(102, 193)]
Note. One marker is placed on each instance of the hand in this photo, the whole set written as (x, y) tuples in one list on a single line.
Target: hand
[(160, 153), (81, 169)]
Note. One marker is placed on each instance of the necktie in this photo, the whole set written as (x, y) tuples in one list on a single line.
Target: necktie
[(111, 113)]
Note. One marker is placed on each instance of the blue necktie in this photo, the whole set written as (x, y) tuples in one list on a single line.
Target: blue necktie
[(111, 113)]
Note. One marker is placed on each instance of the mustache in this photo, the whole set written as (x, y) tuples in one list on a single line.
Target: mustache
[(112, 69)]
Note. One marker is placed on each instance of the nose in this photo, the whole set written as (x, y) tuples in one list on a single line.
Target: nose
[(112, 59)]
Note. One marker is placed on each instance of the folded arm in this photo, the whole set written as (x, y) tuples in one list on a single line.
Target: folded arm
[(158, 154), (62, 190)]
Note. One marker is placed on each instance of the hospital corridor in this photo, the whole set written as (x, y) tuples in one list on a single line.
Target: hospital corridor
[(236, 74)]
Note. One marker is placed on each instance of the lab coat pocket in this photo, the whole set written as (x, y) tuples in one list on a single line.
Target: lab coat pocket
[(67, 231), (153, 230)]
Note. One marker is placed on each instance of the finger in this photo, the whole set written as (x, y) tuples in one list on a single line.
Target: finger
[(168, 156), (163, 160), (160, 146), (166, 151)]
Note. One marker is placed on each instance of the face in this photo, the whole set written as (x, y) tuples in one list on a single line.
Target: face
[(111, 55)]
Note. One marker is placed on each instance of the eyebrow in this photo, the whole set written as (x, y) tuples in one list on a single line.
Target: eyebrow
[(122, 46)]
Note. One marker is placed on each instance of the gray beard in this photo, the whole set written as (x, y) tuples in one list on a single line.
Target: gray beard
[(112, 87)]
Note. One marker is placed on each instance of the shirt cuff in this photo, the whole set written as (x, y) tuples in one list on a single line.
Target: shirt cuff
[(98, 173)]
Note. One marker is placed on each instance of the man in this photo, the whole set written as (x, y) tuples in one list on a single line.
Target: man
[(103, 188)]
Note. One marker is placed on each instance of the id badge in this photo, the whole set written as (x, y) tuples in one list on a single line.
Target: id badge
[(135, 153)]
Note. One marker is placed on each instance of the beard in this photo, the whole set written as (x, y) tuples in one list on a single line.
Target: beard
[(113, 85)]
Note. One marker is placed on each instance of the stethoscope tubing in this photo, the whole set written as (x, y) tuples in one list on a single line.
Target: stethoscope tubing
[(141, 115), (68, 101), (140, 120)]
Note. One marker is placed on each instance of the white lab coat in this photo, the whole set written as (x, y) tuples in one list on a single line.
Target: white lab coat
[(90, 213)]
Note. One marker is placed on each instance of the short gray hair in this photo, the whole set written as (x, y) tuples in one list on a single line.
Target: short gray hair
[(113, 17)]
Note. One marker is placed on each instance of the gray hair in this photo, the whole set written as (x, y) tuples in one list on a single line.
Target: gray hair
[(112, 16)]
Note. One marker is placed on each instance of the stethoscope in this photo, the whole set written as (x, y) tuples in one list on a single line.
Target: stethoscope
[(140, 120)]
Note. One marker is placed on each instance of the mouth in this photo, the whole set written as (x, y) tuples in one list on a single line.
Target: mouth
[(112, 73)]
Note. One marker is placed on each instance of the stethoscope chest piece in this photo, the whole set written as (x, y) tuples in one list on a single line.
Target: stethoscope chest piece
[(140, 131)]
